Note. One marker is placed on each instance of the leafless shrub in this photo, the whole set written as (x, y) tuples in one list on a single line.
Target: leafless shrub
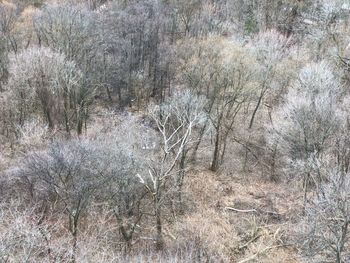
[(270, 48), (21, 238), (68, 173), (41, 78), (33, 133), (303, 128), (328, 217)]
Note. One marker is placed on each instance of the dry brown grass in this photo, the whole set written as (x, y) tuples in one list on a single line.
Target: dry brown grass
[(240, 236)]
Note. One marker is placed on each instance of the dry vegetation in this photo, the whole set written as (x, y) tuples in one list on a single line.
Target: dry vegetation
[(174, 131)]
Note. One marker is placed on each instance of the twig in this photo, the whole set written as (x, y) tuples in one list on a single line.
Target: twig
[(167, 232), (252, 211), (241, 211), (250, 241)]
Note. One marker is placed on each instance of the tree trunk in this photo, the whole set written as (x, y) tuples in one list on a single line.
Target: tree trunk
[(262, 93), (196, 146), (215, 162), (306, 188), (74, 231), (180, 178), (49, 118), (159, 235), (338, 257)]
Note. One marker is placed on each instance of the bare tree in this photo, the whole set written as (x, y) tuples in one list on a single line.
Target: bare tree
[(328, 219), (77, 39), (42, 78), (137, 50), (323, 22), (304, 127), (231, 91), (185, 108), (270, 48), (187, 12), (8, 19), (68, 173), (176, 120), (125, 196), (3, 63), (255, 16), (225, 75), (76, 35)]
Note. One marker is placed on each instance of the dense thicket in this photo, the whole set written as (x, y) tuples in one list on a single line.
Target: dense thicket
[(109, 108)]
